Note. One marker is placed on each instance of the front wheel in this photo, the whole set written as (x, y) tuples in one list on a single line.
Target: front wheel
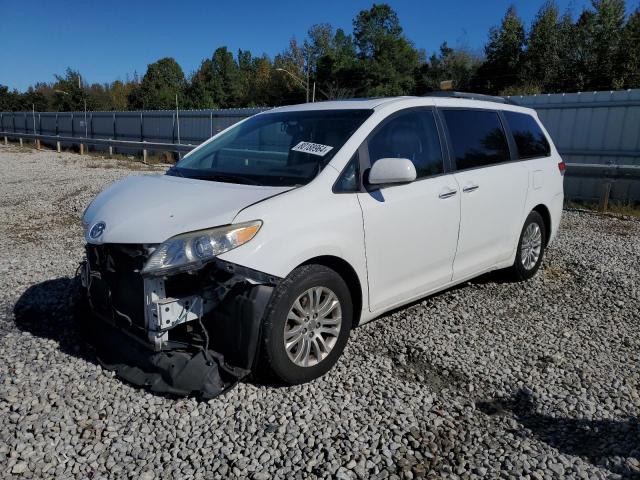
[(530, 248), (307, 324)]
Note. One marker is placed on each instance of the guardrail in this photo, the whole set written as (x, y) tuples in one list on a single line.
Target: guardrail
[(108, 142)]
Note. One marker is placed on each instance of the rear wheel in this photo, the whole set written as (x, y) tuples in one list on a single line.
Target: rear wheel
[(530, 248), (307, 324)]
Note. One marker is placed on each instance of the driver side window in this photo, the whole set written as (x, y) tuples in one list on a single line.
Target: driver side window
[(412, 135)]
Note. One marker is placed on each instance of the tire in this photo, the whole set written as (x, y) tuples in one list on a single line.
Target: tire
[(532, 237), (283, 313)]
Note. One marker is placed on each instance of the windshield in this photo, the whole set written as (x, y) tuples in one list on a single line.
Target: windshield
[(275, 149)]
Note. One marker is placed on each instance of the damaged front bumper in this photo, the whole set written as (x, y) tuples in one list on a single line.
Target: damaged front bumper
[(189, 333)]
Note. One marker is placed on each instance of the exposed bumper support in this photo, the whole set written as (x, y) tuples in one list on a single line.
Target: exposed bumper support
[(201, 342)]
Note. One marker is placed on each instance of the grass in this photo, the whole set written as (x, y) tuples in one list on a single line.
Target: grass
[(615, 208)]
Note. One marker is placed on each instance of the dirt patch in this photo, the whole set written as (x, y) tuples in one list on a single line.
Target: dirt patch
[(555, 272), (417, 369)]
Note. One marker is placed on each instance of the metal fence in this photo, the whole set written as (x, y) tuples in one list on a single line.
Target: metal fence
[(125, 132), (597, 133), (598, 136)]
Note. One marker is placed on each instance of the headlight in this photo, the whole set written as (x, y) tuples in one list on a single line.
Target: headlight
[(192, 250)]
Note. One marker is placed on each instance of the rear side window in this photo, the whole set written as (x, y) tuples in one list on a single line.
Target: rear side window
[(478, 138), (528, 135), (412, 135)]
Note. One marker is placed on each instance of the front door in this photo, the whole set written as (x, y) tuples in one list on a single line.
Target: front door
[(411, 230)]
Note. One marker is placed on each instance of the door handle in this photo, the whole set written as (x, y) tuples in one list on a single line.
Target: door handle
[(470, 188), (447, 193)]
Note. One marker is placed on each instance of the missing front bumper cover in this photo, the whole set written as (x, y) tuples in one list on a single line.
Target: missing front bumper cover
[(200, 336)]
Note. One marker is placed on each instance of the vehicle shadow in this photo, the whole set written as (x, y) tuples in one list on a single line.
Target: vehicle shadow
[(610, 444), (47, 310)]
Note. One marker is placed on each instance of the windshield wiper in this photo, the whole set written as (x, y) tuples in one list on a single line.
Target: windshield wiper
[(229, 178), (175, 171)]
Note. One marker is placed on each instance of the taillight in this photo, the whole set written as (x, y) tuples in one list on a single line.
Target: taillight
[(562, 167)]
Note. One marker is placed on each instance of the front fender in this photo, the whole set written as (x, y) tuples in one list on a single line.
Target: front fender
[(301, 225)]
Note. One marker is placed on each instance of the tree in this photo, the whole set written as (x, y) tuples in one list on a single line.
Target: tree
[(504, 55), (458, 65), (8, 100), (372, 28), (389, 60), (543, 56), (160, 85), (224, 78), (607, 30), (246, 74), (118, 93), (630, 51), (289, 65), (68, 92)]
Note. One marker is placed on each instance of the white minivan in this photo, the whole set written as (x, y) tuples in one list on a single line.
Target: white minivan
[(263, 247)]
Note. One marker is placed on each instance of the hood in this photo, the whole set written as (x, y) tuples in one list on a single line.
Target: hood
[(153, 208)]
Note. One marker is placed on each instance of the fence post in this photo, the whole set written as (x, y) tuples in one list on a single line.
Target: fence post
[(211, 124), (604, 196), (173, 128), (57, 135), (38, 144), (144, 153), (114, 132)]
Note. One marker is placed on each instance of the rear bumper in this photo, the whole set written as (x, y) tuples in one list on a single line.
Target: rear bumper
[(556, 206)]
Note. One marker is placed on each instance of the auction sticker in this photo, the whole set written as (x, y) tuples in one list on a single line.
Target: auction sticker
[(312, 148)]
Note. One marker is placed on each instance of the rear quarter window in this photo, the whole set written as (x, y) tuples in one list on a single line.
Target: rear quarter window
[(530, 140)]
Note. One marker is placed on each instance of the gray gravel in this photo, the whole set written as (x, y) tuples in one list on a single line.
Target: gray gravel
[(491, 379)]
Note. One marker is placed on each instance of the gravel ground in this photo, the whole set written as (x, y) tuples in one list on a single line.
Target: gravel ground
[(537, 380)]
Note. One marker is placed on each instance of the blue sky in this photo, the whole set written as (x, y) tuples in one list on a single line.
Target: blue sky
[(109, 39)]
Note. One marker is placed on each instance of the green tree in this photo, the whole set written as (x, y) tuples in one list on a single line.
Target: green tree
[(224, 78), (161, 83), (337, 70), (542, 59), (630, 51), (118, 93), (246, 75), (458, 65), (372, 28), (68, 92), (8, 99), (607, 31), (504, 55), (389, 60), (288, 81)]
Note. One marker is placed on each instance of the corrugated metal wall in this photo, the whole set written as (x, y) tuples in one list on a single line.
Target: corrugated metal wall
[(194, 126), (593, 128)]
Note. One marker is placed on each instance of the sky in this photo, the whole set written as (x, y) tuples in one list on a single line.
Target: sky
[(111, 39)]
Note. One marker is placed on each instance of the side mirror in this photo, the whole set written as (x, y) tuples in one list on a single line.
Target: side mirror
[(386, 171)]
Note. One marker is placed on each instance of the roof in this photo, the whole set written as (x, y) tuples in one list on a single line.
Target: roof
[(348, 104), (477, 101)]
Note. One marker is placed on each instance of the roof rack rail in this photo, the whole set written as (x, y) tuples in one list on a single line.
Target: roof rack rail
[(470, 96)]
